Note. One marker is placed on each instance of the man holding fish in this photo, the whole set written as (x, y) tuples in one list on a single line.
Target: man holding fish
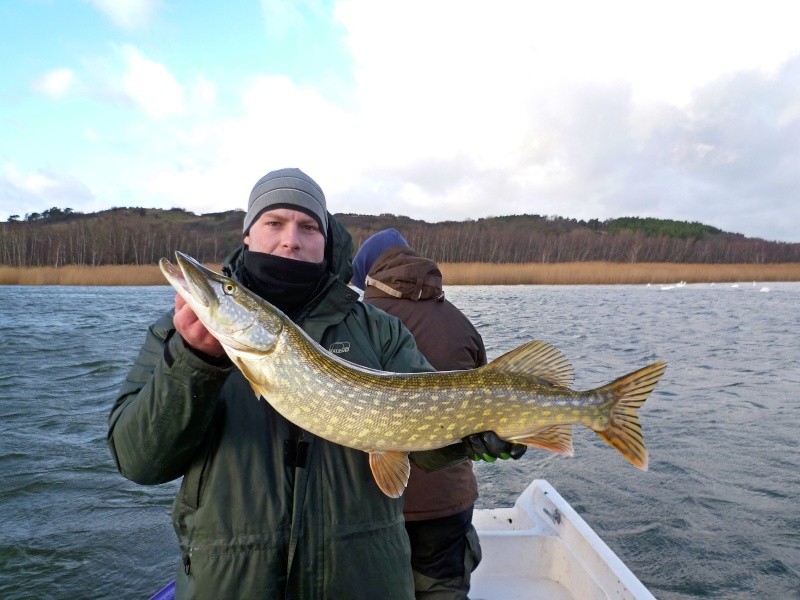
[(267, 509)]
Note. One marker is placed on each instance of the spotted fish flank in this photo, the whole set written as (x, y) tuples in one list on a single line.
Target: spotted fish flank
[(524, 396)]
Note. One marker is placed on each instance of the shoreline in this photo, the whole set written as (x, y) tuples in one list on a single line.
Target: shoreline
[(584, 273)]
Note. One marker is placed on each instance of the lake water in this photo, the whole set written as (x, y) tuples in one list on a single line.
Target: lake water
[(716, 516)]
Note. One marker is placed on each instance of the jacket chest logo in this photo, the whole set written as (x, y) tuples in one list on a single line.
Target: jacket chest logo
[(340, 347)]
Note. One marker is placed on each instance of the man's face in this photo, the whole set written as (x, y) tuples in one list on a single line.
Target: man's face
[(287, 233)]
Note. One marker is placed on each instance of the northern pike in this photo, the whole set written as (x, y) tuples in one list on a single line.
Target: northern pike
[(524, 396)]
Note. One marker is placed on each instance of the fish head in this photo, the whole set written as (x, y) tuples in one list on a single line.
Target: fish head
[(238, 318)]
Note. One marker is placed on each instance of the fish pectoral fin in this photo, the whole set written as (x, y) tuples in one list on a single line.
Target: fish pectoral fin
[(557, 438), (536, 359), (391, 470), (258, 390)]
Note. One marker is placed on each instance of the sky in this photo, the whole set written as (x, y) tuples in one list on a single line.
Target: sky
[(432, 109)]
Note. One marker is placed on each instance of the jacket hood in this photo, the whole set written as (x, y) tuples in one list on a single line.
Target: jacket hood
[(399, 272)]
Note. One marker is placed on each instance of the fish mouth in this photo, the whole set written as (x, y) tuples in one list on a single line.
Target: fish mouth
[(209, 295), (192, 278)]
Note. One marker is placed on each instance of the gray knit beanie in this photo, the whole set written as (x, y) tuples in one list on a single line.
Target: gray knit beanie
[(287, 188)]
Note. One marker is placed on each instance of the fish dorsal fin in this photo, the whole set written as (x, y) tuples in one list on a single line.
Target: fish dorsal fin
[(391, 471), (538, 359), (557, 438)]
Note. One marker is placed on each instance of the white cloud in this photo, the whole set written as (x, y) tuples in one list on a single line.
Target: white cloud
[(283, 18), (464, 109), (151, 85), (575, 108), (35, 191), (55, 84), (483, 144), (283, 126), (200, 99), (128, 14), (35, 183)]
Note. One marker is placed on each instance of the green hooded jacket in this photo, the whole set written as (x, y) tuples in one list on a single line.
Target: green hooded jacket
[(266, 510)]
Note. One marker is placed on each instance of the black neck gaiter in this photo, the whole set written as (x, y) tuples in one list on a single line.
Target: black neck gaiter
[(283, 282)]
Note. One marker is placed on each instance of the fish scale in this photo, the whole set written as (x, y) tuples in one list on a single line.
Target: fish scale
[(523, 396)]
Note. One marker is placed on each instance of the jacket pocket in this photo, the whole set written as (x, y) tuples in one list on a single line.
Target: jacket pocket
[(196, 478)]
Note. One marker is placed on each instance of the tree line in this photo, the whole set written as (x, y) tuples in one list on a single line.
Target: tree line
[(553, 239), (139, 236), (119, 236)]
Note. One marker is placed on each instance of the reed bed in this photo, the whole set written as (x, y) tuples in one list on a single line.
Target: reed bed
[(586, 273), (601, 273), (82, 275)]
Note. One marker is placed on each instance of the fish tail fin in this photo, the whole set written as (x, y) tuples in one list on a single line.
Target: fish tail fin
[(624, 432), (557, 438)]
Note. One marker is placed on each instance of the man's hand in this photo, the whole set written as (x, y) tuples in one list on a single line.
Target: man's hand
[(487, 446), (192, 330)]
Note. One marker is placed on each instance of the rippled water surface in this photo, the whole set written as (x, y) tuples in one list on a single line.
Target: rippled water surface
[(717, 515)]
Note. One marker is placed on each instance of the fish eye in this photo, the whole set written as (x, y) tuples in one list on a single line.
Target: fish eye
[(229, 289)]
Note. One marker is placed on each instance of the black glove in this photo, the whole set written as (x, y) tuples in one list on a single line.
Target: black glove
[(487, 446)]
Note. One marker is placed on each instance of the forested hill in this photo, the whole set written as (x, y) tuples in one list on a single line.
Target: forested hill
[(142, 236)]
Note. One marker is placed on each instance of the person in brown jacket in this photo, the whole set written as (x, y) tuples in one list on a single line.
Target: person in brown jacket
[(438, 506)]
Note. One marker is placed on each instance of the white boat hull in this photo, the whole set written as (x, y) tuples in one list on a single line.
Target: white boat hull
[(541, 549)]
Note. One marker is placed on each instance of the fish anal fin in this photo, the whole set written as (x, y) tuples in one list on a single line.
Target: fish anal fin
[(391, 470), (624, 431), (557, 438), (538, 359)]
